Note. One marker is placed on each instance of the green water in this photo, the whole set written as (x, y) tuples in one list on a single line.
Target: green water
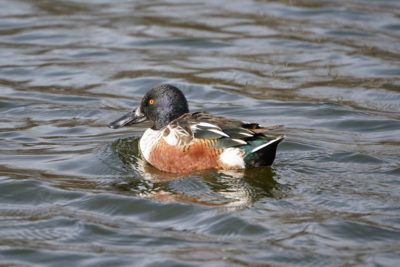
[(76, 193)]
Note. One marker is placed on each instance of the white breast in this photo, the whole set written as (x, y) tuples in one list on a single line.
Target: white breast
[(148, 140)]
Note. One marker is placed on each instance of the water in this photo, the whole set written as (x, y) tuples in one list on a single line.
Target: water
[(75, 193)]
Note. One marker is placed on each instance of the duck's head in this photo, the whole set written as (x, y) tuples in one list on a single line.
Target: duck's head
[(160, 105)]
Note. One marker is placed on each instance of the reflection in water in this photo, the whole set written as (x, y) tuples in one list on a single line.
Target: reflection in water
[(233, 188)]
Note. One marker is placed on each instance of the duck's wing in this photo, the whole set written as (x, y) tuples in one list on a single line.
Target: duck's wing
[(201, 126)]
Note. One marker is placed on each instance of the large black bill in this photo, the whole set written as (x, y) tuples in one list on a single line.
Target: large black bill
[(127, 119)]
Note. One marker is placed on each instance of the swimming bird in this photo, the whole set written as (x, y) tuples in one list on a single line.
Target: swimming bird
[(181, 142)]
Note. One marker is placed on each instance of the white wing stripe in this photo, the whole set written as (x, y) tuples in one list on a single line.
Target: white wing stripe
[(239, 141), (218, 132), (266, 144), (206, 124), (245, 134)]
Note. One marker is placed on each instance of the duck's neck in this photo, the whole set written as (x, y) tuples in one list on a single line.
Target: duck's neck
[(166, 117)]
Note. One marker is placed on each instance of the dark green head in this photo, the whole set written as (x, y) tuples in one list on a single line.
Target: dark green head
[(160, 105)]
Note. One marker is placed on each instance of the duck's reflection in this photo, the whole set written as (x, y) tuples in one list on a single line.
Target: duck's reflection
[(236, 188)]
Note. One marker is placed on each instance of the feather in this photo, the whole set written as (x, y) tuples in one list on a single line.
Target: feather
[(207, 125), (221, 133), (207, 131), (228, 142), (206, 134), (266, 144), (239, 133)]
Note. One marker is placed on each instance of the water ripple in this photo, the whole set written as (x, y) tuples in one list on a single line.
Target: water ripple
[(75, 193)]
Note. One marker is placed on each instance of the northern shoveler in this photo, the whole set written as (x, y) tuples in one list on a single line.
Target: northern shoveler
[(181, 142)]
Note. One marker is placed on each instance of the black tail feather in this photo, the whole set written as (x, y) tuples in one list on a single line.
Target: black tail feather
[(264, 156)]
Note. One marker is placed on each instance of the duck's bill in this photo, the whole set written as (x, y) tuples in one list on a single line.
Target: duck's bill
[(132, 117)]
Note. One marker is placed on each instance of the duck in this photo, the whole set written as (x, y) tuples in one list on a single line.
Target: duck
[(180, 141)]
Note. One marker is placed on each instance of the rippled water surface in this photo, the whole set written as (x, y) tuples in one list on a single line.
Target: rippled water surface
[(76, 193)]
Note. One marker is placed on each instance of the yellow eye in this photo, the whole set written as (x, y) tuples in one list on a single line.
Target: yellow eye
[(151, 101)]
